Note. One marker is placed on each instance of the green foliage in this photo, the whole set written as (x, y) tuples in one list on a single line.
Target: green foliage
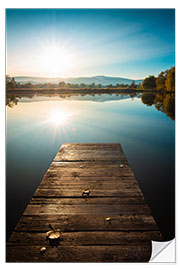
[(139, 87), (164, 82), (109, 86), (170, 81), (82, 85), (62, 85), (161, 81), (133, 85), (92, 85), (10, 83), (149, 83), (28, 85)]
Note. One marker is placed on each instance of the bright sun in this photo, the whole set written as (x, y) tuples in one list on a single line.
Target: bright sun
[(55, 60)]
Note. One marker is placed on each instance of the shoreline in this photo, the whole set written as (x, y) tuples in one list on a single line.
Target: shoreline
[(75, 91)]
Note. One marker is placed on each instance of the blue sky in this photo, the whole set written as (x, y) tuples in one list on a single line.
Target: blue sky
[(131, 43)]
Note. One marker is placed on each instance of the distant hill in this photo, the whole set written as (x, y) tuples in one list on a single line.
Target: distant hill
[(104, 80)]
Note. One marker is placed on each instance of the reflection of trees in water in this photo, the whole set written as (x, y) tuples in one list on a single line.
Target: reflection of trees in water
[(11, 101), (148, 98), (164, 102), (169, 105), (158, 102), (133, 95)]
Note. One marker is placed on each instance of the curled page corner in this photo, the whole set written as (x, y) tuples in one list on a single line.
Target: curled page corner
[(163, 251)]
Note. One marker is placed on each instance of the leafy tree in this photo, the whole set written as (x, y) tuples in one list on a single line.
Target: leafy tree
[(161, 81), (139, 86), (170, 81), (92, 85), (28, 85), (132, 85), (149, 83), (10, 83), (82, 85), (62, 85), (68, 85), (18, 85)]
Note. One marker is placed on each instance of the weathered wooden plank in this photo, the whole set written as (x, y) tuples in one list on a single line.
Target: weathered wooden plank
[(89, 157), (91, 183), (87, 181), (89, 200), (90, 175), (91, 146), (86, 164), (121, 253), (103, 153), (87, 236), (76, 193), (88, 209), (89, 171), (90, 152), (64, 166), (125, 222), (54, 175)]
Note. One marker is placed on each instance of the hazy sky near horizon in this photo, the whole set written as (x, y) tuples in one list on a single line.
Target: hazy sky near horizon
[(131, 43)]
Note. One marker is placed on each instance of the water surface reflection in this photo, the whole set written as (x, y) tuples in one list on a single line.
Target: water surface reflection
[(38, 125), (164, 102)]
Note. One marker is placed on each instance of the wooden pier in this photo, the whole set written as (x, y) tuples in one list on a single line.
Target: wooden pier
[(91, 194)]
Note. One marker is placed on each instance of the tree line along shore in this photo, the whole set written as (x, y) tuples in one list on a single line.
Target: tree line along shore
[(165, 81)]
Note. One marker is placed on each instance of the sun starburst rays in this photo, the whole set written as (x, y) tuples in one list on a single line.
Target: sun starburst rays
[(55, 59)]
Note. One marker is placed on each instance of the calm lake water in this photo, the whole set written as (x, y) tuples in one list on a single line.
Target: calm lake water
[(37, 126)]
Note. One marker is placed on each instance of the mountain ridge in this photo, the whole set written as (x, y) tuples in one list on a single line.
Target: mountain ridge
[(101, 79)]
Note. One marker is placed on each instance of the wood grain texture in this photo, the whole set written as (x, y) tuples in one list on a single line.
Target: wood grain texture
[(86, 235), (72, 223)]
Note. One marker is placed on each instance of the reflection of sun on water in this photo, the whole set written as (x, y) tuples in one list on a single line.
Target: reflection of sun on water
[(58, 117)]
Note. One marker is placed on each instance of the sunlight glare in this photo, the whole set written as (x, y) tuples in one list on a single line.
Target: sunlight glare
[(55, 60), (58, 117)]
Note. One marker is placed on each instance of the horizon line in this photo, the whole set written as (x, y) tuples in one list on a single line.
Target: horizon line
[(90, 76)]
